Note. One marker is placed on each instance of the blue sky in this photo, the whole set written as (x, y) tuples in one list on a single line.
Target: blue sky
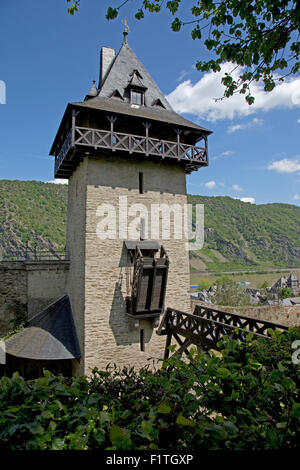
[(49, 58)]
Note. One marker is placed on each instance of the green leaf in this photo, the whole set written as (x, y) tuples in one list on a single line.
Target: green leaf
[(164, 408), (272, 437), (120, 437), (58, 444), (249, 99), (111, 13), (181, 420), (216, 431), (231, 428), (176, 25), (13, 409), (223, 373), (35, 428), (296, 410), (149, 431)]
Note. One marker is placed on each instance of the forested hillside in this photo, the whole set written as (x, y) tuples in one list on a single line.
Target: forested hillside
[(237, 234), (33, 214)]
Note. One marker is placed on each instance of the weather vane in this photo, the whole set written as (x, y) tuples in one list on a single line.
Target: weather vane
[(126, 30)]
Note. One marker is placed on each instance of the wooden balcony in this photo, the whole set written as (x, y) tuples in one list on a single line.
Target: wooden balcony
[(81, 139)]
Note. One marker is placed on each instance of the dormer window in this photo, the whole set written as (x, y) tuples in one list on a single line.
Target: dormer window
[(136, 97), (136, 89), (158, 103), (117, 94)]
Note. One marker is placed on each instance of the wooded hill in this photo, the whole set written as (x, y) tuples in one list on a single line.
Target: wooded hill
[(34, 214), (237, 235)]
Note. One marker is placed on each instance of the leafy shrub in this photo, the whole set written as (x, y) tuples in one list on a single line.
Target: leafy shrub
[(228, 292), (264, 285), (244, 397), (286, 292), (204, 284)]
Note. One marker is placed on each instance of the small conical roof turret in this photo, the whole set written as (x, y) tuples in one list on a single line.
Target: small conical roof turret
[(93, 91)]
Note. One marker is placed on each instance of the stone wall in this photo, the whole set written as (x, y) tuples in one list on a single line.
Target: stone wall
[(30, 287), (13, 292), (282, 314), (76, 247), (106, 332), (46, 282)]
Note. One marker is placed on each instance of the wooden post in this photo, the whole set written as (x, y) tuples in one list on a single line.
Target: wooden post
[(178, 132), (112, 120), (73, 127), (147, 126), (206, 149), (168, 344)]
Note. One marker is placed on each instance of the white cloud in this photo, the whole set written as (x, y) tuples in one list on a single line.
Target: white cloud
[(226, 153), (59, 181), (298, 120), (200, 98), (182, 74), (235, 127), (237, 188), (210, 184), (246, 199), (286, 165), (247, 125), (296, 197)]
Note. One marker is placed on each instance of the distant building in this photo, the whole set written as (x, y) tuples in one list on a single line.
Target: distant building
[(291, 281)]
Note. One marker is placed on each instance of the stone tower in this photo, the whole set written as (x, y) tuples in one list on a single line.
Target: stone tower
[(126, 154)]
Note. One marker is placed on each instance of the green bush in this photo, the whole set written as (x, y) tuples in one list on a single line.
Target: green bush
[(228, 292), (286, 292), (204, 284), (245, 397), (264, 285)]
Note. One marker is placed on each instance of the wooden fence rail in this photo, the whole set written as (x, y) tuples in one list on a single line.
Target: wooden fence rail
[(207, 326)]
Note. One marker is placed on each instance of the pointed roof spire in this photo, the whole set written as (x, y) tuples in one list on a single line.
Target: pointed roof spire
[(126, 30)]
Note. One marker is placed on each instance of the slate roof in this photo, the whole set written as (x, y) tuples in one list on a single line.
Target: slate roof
[(121, 74), (118, 78), (50, 335), (127, 70), (115, 105)]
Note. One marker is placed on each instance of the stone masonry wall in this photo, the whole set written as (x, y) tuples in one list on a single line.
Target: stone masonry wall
[(110, 335), (282, 314), (46, 282), (29, 285), (13, 292), (76, 248)]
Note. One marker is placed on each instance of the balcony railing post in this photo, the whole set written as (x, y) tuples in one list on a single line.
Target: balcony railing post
[(112, 120), (178, 133), (206, 149), (73, 127), (147, 126)]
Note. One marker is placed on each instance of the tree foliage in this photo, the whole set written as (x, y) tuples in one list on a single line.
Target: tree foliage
[(228, 292), (286, 292), (246, 397), (260, 37)]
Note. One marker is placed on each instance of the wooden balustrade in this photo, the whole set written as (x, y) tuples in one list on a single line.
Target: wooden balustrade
[(81, 137), (206, 327)]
